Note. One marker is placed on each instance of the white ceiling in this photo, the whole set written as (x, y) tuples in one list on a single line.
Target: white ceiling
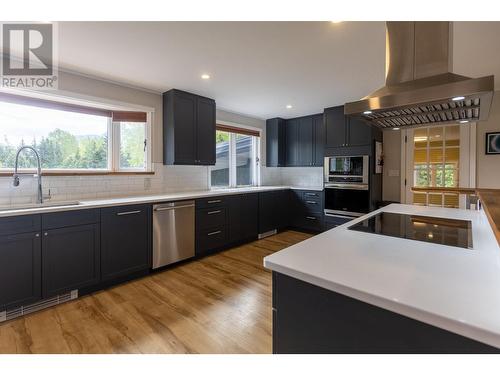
[(257, 68)]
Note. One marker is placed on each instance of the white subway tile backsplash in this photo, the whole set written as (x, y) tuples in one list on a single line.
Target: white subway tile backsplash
[(166, 179)]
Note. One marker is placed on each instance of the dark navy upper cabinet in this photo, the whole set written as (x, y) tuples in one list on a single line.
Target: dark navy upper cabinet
[(306, 142), (296, 142), (275, 142), (125, 240), (335, 127), (359, 132), (343, 131), (70, 259), (205, 131), (188, 129), (319, 140), (292, 142), (20, 270)]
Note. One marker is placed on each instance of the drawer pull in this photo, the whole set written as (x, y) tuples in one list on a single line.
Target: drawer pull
[(310, 217), (311, 202), (214, 201), (311, 194), (214, 212), (214, 233), (128, 213)]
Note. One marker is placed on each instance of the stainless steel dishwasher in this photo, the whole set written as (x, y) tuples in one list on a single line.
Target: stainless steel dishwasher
[(173, 232)]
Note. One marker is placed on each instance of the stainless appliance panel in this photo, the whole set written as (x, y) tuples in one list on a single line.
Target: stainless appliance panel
[(346, 169), (173, 232)]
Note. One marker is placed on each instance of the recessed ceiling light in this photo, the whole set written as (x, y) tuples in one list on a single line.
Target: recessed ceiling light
[(288, 106), (457, 98), (463, 121), (367, 112), (395, 128), (336, 21), (205, 76)]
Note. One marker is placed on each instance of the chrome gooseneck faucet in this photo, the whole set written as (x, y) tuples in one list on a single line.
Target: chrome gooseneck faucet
[(39, 171)]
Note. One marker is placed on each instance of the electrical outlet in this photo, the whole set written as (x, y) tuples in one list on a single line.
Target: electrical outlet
[(147, 183)]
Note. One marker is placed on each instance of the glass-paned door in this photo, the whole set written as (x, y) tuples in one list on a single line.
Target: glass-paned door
[(433, 161)]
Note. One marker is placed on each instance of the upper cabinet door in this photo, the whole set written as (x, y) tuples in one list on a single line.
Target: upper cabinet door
[(305, 141), (292, 143), (205, 134), (188, 129), (275, 142), (184, 112), (319, 140), (335, 127), (360, 133)]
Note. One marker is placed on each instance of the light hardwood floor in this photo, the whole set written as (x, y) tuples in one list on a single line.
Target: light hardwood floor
[(219, 304)]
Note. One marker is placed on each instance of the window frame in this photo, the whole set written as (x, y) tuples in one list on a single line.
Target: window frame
[(113, 133), (255, 172), (467, 162)]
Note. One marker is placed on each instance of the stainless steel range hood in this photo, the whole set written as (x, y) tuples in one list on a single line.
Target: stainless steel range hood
[(420, 88)]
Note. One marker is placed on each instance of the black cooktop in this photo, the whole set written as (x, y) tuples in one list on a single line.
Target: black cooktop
[(436, 230)]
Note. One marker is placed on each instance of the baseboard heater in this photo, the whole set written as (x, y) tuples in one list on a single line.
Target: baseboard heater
[(267, 234), (37, 306)]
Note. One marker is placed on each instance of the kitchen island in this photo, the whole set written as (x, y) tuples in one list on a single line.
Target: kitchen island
[(346, 291)]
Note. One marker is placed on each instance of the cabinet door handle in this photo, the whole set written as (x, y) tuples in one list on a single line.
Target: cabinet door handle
[(46, 234), (37, 235), (214, 212), (311, 194), (214, 233), (310, 217), (311, 202), (128, 213), (214, 201)]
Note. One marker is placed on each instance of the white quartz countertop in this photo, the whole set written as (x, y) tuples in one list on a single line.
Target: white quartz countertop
[(449, 287), (168, 197)]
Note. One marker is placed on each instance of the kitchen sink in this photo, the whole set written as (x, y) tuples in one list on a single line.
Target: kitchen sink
[(29, 206)]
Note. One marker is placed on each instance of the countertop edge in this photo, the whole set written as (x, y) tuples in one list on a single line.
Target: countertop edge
[(144, 199), (489, 198), (451, 325)]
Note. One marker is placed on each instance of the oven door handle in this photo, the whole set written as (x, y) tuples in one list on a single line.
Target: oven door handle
[(342, 216), (347, 186)]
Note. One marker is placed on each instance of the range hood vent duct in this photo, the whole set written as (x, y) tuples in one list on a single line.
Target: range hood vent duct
[(420, 88)]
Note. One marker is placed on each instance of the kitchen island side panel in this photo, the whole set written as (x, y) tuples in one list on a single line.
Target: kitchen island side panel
[(308, 319)]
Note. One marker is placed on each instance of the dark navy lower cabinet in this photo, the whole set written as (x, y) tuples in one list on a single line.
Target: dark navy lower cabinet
[(125, 241), (308, 319), (307, 210), (20, 269), (243, 218), (274, 210), (70, 259)]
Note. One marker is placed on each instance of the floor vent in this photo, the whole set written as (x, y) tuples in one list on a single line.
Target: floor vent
[(28, 309)]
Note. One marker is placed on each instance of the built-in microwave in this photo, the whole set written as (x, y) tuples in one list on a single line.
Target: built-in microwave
[(346, 169)]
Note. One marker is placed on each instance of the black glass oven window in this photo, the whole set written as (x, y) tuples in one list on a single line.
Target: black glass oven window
[(350, 200)]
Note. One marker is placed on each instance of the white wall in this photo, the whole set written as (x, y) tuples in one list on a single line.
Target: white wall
[(391, 178), (488, 166), (83, 85)]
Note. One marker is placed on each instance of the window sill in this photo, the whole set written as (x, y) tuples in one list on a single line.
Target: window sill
[(80, 173)]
